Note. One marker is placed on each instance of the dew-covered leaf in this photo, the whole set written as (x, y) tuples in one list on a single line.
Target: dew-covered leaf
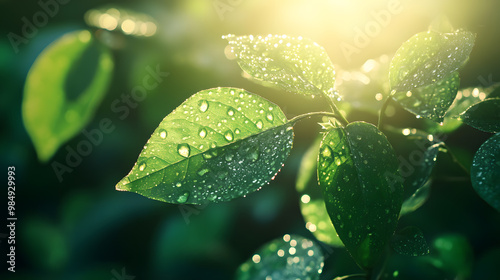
[(417, 199), (485, 171), (219, 144), (417, 153), (410, 241), (484, 115), (429, 57), (431, 101), (63, 88), (296, 65), (463, 100), (290, 257), (312, 204), (358, 172)]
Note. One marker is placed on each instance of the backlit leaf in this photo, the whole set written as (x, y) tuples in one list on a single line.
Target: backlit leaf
[(410, 242), (290, 257), (429, 57), (484, 115), (358, 171), (417, 153), (312, 204), (417, 199), (63, 89), (219, 144), (431, 101), (485, 171), (296, 65), (463, 100)]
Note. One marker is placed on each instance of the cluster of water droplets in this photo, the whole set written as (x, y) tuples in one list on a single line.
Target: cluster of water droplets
[(220, 144), (431, 101), (290, 257), (485, 171), (296, 65), (429, 57)]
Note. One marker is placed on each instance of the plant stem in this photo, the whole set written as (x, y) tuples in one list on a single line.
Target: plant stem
[(338, 117), (381, 114), (336, 110), (364, 276)]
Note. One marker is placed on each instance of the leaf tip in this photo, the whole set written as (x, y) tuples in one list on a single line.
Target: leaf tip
[(122, 185)]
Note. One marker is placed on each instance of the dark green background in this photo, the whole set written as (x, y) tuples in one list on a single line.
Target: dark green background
[(81, 228)]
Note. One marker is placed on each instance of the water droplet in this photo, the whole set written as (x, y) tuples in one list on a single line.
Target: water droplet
[(270, 117), (230, 112), (229, 135), (229, 156), (183, 198), (142, 166), (253, 155), (163, 133), (259, 124), (327, 152), (237, 131), (338, 162), (203, 105), (203, 133), (178, 184), (203, 171), (184, 150), (212, 197)]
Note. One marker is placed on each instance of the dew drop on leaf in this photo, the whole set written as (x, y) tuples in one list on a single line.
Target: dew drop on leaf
[(203, 105), (184, 150), (202, 133), (163, 133), (142, 166), (270, 117), (229, 135), (183, 198), (259, 124)]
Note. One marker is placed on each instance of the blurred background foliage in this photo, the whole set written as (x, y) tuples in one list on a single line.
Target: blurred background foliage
[(81, 228)]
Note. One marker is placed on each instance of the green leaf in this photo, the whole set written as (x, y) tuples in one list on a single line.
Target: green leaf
[(358, 171), (62, 92), (290, 257), (410, 242), (417, 199), (417, 153), (484, 115), (464, 99), (312, 204), (485, 171), (296, 65), (219, 144), (429, 57), (431, 101)]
